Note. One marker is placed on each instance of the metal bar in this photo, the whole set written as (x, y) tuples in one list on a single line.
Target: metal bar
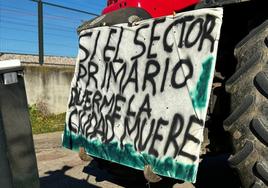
[(16, 127), (5, 172), (67, 8), (40, 32)]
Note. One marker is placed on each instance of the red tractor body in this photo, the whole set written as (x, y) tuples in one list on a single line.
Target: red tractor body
[(155, 8)]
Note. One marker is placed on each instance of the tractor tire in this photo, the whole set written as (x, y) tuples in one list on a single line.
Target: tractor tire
[(248, 122)]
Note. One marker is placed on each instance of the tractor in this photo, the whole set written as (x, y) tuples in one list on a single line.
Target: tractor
[(237, 115)]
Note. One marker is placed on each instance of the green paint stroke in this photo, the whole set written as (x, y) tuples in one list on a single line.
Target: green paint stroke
[(199, 95), (129, 157)]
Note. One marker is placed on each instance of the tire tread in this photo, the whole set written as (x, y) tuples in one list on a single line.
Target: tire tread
[(242, 154)]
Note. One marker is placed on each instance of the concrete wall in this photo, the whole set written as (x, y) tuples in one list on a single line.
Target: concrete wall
[(33, 59), (49, 85)]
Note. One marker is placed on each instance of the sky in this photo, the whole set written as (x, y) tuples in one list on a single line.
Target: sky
[(19, 25)]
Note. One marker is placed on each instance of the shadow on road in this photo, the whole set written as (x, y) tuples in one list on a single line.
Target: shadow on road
[(213, 172), (123, 176), (102, 172), (58, 179)]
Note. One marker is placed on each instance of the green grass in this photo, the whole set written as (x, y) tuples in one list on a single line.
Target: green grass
[(44, 123)]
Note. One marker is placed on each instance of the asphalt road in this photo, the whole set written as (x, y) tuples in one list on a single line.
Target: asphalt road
[(61, 168)]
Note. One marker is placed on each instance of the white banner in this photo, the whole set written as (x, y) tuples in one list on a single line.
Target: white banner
[(140, 93)]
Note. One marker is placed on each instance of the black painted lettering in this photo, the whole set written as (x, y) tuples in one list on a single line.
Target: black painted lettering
[(83, 48), (116, 59), (109, 122), (129, 109), (81, 126), (169, 47), (129, 130), (71, 124), (188, 43), (154, 38), (133, 77), (108, 47), (91, 73), (87, 99), (164, 76), (108, 104), (115, 75), (139, 42), (188, 137), (174, 132), (209, 25), (93, 121), (157, 136), (95, 46), (82, 72), (149, 75), (96, 101), (176, 69), (184, 20), (145, 107), (117, 106), (142, 145), (104, 76), (75, 95)]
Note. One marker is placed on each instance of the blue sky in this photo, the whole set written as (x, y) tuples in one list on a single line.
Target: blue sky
[(19, 31)]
